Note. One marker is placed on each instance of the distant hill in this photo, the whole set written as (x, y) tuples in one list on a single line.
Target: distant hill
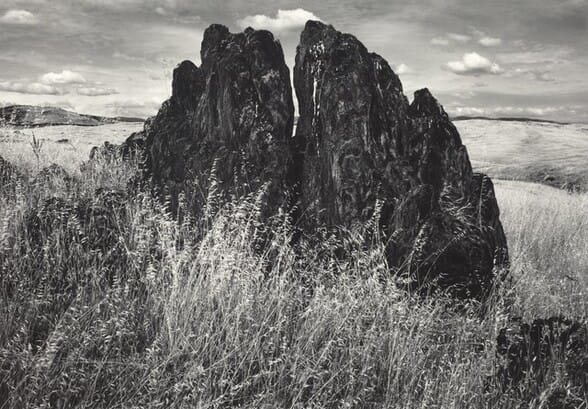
[(29, 116), (508, 119), (531, 151)]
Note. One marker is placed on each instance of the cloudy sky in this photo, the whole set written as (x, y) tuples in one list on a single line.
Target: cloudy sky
[(479, 57)]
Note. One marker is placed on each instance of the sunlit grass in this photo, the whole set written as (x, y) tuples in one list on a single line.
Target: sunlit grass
[(200, 314)]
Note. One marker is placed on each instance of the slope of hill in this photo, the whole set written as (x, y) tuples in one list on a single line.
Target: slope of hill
[(29, 116), (545, 152), (508, 119)]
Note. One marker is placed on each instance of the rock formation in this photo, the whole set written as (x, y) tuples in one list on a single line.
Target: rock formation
[(360, 144), (360, 151), (228, 122), (132, 147)]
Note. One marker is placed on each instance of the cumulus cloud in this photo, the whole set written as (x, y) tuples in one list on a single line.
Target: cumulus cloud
[(537, 74), (473, 64), (63, 77), (489, 41), (459, 38), (440, 41), (402, 69), (507, 111), (34, 88), (133, 107), (451, 38), (284, 20), (96, 91), (19, 17), (161, 11)]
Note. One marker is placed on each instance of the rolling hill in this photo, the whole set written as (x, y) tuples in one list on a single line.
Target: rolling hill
[(545, 152), (28, 116)]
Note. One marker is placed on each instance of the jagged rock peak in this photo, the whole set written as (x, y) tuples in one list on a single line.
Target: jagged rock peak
[(218, 42), (360, 144), (229, 121), (360, 150), (187, 85), (425, 104)]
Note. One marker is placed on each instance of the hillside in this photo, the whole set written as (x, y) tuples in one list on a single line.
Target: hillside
[(549, 153), (29, 116)]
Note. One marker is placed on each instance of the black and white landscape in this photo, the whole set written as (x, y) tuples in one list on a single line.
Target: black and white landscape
[(360, 204)]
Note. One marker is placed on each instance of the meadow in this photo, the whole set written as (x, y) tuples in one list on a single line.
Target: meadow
[(205, 313), (547, 153)]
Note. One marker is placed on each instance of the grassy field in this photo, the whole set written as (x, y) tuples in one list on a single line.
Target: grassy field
[(197, 314), (67, 146), (547, 153)]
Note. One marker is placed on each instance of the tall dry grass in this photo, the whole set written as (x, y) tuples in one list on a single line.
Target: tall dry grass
[(547, 232), (198, 314)]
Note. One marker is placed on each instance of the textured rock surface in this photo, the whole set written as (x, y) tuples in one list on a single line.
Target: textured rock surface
[(360, 150), (229, 120), (360, 145), (132, 147), (527, 351)]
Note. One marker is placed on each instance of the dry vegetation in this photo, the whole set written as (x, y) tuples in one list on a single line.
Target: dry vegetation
[(209, 313), (552, 154)]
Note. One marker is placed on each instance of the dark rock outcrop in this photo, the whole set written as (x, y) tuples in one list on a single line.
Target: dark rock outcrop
[(132, 147), (360, 144), (528, 352), (360, 152), (227, 123)]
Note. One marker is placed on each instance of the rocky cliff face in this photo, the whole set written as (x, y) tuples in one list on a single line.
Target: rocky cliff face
[(361, 145), (229, 121), (360, 149)]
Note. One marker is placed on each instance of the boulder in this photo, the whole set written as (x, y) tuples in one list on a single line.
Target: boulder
[(361, 152), (107, 151), (361, 148), (132, 147), (227, 123)]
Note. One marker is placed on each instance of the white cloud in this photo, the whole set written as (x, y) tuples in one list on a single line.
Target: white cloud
[(96, 91), (402, 69), (537, 74), (474, 64), (133, 107), (451, 38), (64, 77), (161, 11), (489, 41), (459, 38), (507, 111), (30, 88), (440, 41), (19, 17), (284, 20)]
